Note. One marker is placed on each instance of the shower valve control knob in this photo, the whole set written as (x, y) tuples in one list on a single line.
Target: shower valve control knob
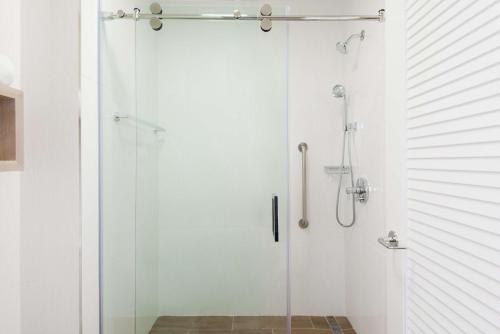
[(354, 190), (361, 191)]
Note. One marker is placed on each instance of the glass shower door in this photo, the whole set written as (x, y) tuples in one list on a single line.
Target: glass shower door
[(214, 94)]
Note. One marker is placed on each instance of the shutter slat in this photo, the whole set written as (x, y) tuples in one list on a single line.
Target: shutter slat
[(438, 20)]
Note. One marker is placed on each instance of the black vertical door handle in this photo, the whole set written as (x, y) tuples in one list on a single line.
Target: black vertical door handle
[(276, 229)]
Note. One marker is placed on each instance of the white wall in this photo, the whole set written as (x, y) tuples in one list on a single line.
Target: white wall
[(364, 78), (9, 189), (50, 224)]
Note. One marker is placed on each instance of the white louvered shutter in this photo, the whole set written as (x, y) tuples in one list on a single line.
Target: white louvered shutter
[(453, 129)]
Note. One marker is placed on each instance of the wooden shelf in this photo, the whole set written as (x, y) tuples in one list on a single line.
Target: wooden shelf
[(11, 129)]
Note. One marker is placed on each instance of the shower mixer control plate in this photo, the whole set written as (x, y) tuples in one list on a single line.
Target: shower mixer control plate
[(361, 191)]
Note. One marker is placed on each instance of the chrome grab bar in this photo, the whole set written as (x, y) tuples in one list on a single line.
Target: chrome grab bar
[(304, 222)]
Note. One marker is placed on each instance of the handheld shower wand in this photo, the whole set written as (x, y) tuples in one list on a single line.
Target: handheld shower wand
[(360, 191), (340, 92)]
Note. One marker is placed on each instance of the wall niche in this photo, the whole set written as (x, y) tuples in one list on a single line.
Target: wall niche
[(11, 129)]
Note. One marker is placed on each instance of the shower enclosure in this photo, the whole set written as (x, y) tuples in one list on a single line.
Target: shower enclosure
[(194, 171)]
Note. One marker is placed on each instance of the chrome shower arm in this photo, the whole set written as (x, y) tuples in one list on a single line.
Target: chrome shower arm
[(342, 46), (361, 37)]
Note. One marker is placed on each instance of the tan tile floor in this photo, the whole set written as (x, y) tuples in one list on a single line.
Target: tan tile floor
[(251, 325)]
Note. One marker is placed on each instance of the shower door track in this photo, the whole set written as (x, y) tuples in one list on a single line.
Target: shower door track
[(239, 17)]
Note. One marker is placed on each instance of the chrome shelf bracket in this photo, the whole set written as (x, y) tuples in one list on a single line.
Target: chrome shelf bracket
[(391, 241)]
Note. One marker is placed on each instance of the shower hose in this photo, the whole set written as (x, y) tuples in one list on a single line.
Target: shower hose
[(347, 139)]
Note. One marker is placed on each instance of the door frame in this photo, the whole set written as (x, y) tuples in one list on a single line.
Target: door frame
[(89, 174)]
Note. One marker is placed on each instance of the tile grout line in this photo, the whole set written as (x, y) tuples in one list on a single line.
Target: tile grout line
[(311, 321), (328, 323)]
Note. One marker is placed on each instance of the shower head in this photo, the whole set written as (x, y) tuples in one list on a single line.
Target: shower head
[(339, 91), (343, 47)]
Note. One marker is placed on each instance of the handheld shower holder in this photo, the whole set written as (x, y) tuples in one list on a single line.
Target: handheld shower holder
[(354, 126)]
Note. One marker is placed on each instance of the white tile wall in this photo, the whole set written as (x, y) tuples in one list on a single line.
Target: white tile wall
[(364, 78)]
